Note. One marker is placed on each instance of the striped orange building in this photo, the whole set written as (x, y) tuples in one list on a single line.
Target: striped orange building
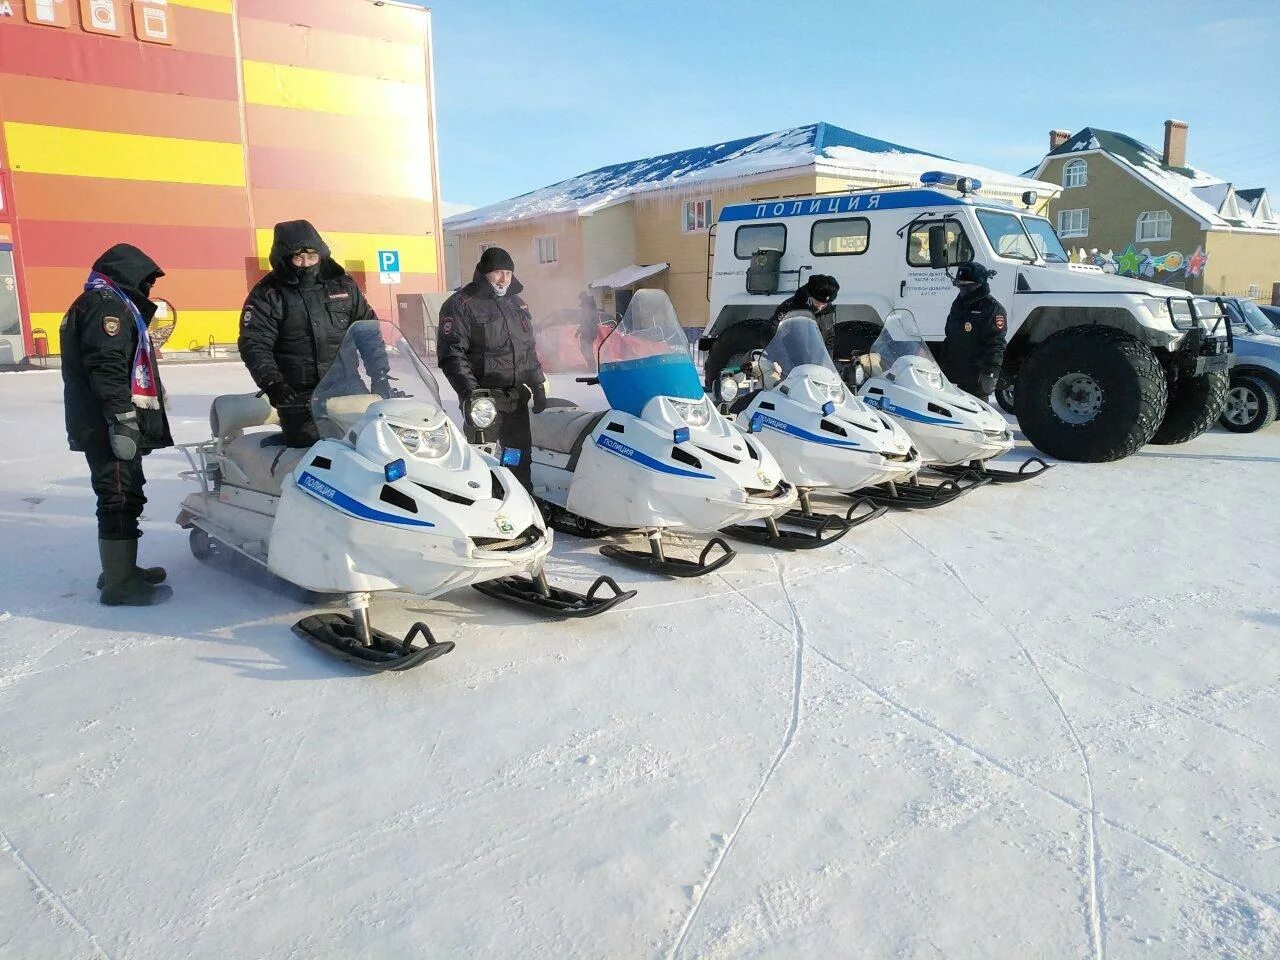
[(189, 128)]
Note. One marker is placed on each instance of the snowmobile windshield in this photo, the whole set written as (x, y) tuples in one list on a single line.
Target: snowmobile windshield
[(798, 342), (375, 362), (647, 355), (899, 338)]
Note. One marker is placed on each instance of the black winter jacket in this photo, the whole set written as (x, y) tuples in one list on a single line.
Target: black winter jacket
[(291, 329), (487, 341), (799, 300), (98, 341), (975, 337)]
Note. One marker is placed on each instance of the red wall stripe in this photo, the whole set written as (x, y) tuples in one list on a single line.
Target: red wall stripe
[(48, 243), (53, 288), (279, 169), (343, 16), (68, 55), (49, 197), (319, 49), (347, 213)]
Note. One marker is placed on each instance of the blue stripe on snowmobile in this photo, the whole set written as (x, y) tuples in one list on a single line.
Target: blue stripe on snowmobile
[(631, 453), (783, 427), (318, 488), (883, 403)]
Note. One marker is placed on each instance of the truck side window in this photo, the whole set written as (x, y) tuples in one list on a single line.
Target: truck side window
[(959, 250), (759, 236), (848, 236)]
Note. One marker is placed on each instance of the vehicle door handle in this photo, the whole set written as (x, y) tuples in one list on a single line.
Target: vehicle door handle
[(902, 289)]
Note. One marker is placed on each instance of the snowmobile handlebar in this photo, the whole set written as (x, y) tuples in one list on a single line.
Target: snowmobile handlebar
[(593, 381)]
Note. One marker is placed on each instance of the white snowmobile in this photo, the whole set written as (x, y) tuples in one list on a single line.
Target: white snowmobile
[(661, 458), (954, 431), (391, 498), (826, 439)]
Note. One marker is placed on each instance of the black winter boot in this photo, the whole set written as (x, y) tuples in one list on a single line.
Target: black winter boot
[(122, 584), (149, 574)]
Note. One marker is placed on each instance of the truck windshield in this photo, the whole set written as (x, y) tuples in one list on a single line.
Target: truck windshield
[(1046, 240), (1255, 318), (1006, 235)]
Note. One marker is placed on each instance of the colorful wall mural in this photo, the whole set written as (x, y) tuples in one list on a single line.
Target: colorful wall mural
[(1168, 267), (191, 142)]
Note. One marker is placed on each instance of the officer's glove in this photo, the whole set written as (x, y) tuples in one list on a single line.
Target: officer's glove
[(125, 435), (535, 397), (280, 394), (987, 384), (381, 385)]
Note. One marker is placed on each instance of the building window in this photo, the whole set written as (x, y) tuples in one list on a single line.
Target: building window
[(482, 247), (697, 214), (1075, 174), (830, 238), (959, 249), (753, 237), (546, 247), (1073, 223), (1254, 292), (1154, 225)]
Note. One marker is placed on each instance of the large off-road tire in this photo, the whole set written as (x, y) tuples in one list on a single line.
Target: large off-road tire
[(1194, 403), (1251, 404), (1090, 394)]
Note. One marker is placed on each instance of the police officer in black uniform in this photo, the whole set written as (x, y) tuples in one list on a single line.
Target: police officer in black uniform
[(975, 337), (115, 412), (486, 342), (295, 321), (816, 295)]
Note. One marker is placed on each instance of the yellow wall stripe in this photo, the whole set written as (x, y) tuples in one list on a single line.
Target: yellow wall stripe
[(194, 327), (34, 148), (215, 6), (302, 88), (417, 253)]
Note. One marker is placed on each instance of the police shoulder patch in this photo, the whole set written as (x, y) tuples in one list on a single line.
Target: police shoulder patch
[(110, 326), (446, 326), (999, 323), (968, 327)]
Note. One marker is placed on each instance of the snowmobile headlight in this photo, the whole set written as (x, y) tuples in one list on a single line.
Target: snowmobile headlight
[(933, 378), (435, 443), (409, 439), (483, 413), (695, 413), (728, 389)]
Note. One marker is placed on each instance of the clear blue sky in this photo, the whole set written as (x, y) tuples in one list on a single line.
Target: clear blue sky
[(533, 92)]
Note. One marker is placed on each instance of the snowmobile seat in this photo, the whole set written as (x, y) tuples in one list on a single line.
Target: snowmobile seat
[(263, 459), (233, 413), (563, 429)]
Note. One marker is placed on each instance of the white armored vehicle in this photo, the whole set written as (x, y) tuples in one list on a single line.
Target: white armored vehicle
[(1101, 364)]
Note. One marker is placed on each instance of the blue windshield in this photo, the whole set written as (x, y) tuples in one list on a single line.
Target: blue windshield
[(630, 384)]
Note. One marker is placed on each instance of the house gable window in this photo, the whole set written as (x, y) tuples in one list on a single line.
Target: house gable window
[(546, 249), (1073, 223), (1154, 225), (1075, 174), (696, 215)]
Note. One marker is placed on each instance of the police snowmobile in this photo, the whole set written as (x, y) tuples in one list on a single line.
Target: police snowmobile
[(391, 498), (826, 439), (955, 432), (660, 459)]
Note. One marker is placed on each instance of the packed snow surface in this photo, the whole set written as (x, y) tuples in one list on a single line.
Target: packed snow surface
[(1040, 722)]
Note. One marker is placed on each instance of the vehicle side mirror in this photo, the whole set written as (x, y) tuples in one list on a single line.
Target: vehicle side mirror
[(938, 247)]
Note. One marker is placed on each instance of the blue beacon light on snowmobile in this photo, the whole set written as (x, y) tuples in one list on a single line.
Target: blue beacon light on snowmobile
[(756, 424), (394, 470), (511, 457), (680, 435), (828, 408)]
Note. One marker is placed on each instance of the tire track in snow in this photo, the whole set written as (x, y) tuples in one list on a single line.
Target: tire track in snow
[(48, 896), (1096, 915), (793, 724), (1173, 853)]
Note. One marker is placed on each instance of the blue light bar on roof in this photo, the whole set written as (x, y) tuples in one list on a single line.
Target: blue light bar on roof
[(936, 178)]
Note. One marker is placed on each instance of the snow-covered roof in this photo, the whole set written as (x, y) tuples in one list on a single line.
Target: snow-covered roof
[(831, 149), (1210, 199), (628, 275)]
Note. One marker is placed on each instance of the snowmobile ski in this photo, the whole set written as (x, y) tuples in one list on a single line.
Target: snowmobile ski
[(537, 594), (815, 519), (655, 559), (355, 641), (1024, 472), (829, 530), (922, 496)]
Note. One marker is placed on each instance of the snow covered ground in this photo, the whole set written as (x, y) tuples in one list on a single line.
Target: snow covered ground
[(1039, 723)]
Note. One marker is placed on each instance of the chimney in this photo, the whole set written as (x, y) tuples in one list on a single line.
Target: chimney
[(1175, 143), (1057, 138)]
